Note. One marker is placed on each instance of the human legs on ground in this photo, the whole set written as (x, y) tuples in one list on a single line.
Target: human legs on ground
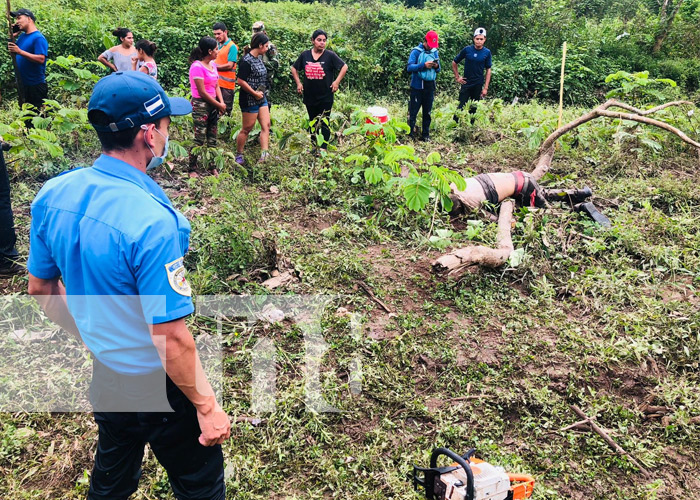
[(228, 94), (199, 122), (212, 125), (467, 94), (35, 95), (414, 104), (264, 120), (194, 471), (428, 98), (248, 122), (321, 112)]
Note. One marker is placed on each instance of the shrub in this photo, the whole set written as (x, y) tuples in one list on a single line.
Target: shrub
[(82, 29), (375, 38)]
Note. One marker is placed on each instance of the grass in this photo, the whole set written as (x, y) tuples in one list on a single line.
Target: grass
[(605, 319)]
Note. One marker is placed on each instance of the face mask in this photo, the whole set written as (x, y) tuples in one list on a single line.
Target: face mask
[(156, 161)]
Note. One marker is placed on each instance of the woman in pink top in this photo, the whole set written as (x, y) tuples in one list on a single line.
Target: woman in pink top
[(207, 101)]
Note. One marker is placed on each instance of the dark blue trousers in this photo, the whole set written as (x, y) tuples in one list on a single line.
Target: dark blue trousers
[(421, 98), (195, 472)]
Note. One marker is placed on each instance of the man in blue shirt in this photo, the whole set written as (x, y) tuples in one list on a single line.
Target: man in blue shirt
[(106, 263), (476, 58), (423, 65), (31, 49)]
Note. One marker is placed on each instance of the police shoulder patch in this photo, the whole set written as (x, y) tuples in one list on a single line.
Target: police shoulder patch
[(176, 277)]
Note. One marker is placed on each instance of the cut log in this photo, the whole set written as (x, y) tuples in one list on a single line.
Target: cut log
[(460, 259)]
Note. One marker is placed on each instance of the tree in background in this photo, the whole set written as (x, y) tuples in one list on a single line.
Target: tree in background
[(667, 13)]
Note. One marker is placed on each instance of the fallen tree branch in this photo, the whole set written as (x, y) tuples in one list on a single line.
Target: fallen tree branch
[(460, 259), (609, 441), (648, 111), (650, 121), (546, 152), (580, 425), (371, 295)]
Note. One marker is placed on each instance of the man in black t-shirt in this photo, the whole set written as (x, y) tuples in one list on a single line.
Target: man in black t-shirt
[(320, 83)]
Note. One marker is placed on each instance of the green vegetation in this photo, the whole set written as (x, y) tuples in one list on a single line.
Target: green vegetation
[(375, 38), (604, 319)]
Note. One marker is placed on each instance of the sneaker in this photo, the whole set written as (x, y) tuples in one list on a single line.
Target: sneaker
[(239, 159), (264, 156), (11, 270), (425, 138)]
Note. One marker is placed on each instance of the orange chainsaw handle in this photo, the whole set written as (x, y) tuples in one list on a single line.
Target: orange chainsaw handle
[(524, 487)]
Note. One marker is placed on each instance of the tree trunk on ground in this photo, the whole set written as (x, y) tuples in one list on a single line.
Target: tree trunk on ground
[(462, 258)]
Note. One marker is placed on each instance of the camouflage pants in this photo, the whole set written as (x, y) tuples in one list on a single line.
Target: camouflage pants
[(205, 118)]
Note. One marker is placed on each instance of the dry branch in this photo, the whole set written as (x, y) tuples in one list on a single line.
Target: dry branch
[(544, 160), (650, 121), (371, 295), (649, 111), (618, 449), (580, 425)]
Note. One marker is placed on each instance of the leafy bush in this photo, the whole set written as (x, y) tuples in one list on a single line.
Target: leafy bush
[(375, 38), (382, 161), (83, 29), (685, 72), (638, 88)]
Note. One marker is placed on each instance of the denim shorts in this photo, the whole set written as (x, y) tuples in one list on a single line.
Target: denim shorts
[(256, 108)]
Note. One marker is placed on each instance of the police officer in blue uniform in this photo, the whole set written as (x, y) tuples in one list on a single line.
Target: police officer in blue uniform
[(106, 263)]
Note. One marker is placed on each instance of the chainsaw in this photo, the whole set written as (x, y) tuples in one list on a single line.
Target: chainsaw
[(469, 478)]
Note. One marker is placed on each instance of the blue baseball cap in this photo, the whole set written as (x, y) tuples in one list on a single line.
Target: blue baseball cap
[(131, 99)]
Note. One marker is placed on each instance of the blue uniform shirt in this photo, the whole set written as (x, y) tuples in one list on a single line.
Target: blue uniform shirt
[(475, 61), (117, 242), (31, 72)]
